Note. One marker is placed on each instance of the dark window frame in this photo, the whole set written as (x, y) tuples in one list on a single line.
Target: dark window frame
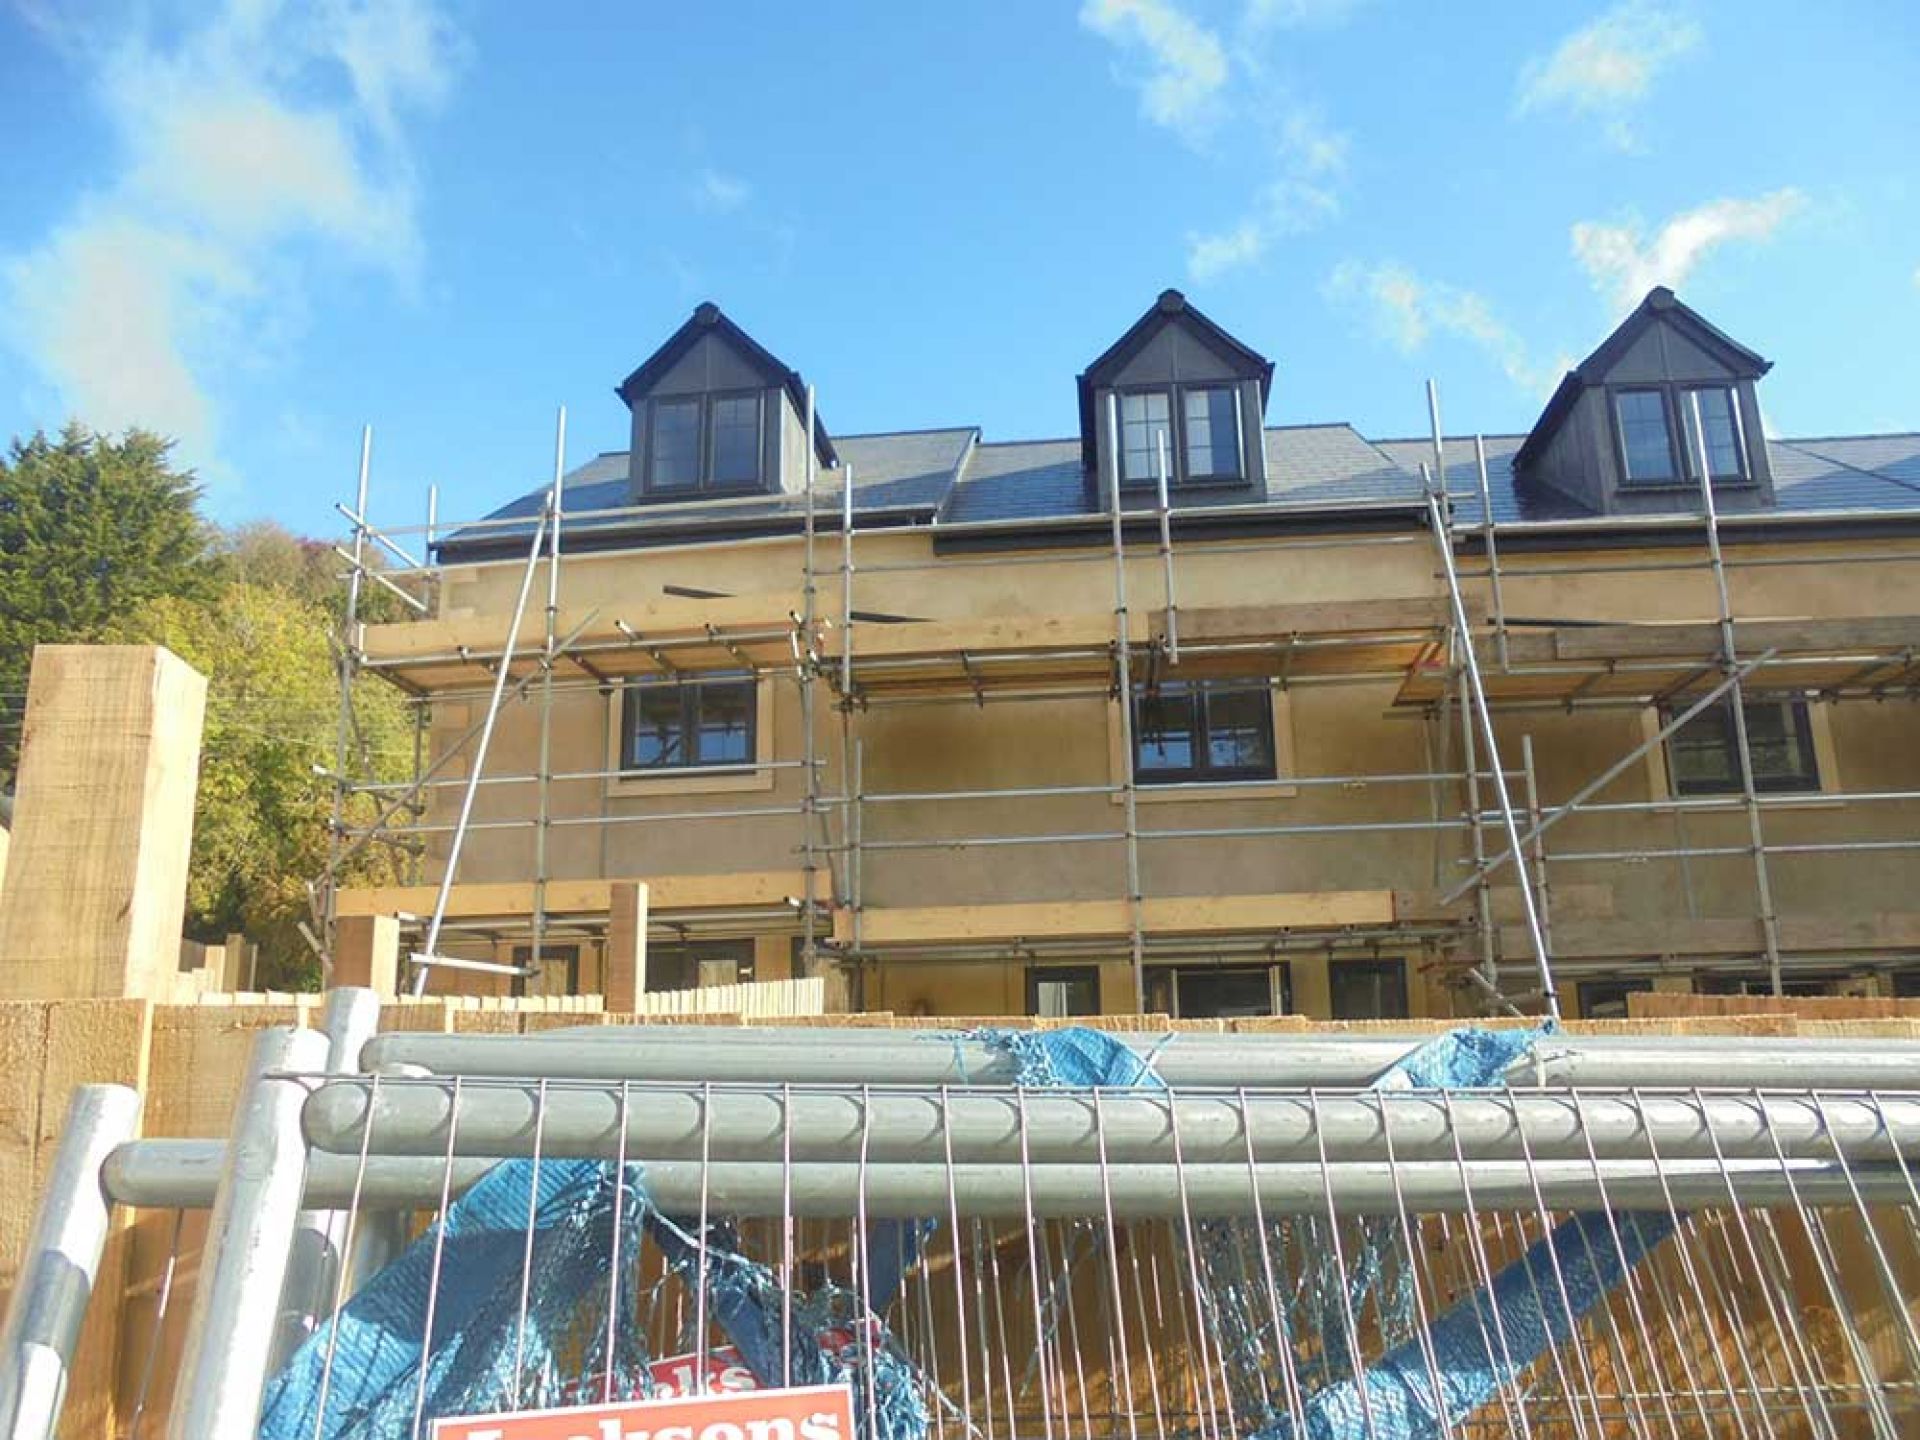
[(704, 482), (1807, 987), (1590, 994), (1063, 974), (689, 688), (1396, 966), (739, 949), (1804, 781), (1676, 473), (1164, 981), (1676, 408), (522, 955), (1177, 473), (1682, 401), (1202, 770)]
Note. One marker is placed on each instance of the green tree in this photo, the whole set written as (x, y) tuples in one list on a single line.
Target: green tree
[(90, 528), (261, 823)]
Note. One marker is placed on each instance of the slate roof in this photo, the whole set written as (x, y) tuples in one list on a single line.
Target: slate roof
[(952, 478)]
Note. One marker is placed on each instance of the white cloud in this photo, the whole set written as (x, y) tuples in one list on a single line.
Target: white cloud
[(1187, 64), (1300, 14), (719, 192), (1623, 263), (1607, 67), (1408, 310), (268, 132), (1310, 159)]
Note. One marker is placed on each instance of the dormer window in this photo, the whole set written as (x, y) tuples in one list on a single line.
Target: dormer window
[(1625, 429), (1175, 393), (1646, 439), (1212, 420), (1206, 446), (1720, 418), (705, 442), (1648, 455)]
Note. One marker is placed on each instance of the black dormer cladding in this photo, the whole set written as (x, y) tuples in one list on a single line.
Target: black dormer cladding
[(710, 356), (1644, 375), (1173, 345)]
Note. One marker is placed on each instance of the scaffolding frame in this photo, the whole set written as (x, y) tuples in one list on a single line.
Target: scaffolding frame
[(1471, 665)]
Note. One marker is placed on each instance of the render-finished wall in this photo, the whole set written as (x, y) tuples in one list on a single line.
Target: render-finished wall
[(1333, 731)]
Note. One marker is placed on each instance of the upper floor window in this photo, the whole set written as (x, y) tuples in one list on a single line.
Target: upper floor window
[(1647, 430), (1205, 445), (1646, 440), (1203, 731), (705, 442), (1720, 423), (687, 724), (1703, 756)]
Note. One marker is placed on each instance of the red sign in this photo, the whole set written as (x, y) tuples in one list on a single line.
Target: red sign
[(819, 1412)]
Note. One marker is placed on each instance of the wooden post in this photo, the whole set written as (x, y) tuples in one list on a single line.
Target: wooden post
[(366, 952), (103, 823), (626, 963)]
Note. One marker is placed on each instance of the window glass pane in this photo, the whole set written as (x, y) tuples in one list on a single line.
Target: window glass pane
[(1723, 439), (1143, 420), (1644, 438), (723, 720), (676, 445), (1213, 442), (1240, 731), (693, 963), (1607, 999), (654, 738), (1223, 991), (736, 440), (1058, 993), (559, 970), (1704, 758), (1368, 989), (1164, 731)]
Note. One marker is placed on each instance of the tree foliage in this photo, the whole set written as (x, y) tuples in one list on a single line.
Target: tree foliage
[(102, 540), (90, 527), (261, 824)]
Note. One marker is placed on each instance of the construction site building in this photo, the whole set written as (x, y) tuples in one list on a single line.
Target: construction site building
[(1196, 711)]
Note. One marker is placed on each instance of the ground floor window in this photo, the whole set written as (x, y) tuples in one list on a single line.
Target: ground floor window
[(1368, 989), (1607, 999), (559, 972), (1760, 984), (695, 964), (1906, 984), (1058, 991), (1212, 992)]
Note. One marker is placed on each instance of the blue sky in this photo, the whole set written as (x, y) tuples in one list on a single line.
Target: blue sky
[(256, 226)]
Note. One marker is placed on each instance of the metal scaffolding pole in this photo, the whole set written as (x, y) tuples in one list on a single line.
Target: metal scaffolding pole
[(809, 818), (423, 962), (1123, 684), (1443, 541), (349, 654), (549, 653), (1730, 662)]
